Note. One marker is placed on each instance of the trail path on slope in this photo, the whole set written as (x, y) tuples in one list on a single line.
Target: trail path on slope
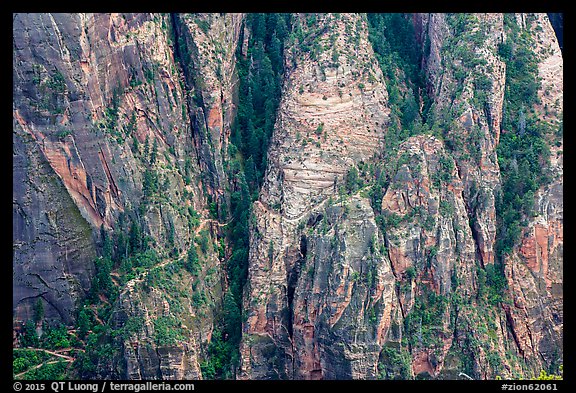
[(130, 284), (40, 365), (340, 199), (57, 353)]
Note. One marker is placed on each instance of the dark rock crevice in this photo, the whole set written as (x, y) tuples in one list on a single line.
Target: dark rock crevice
[(292, 281), (471, 202), (181, 61), (209, 160), (510, 323), (557, 21)]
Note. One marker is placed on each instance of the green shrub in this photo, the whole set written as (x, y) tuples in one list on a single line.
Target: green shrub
[(192, 264), (56, 338), (168, 331)]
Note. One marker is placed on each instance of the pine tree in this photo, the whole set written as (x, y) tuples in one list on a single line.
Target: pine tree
[(132, 124), (146, 146), (150, 183), (29, 336), (135, 144), (255, 146), (192, 262), (248, 133), (352, 180), (275, 53), (258, 27), (135, 237), (281, 28), (83, 322), (233, 322), (250, 173), (409, 110), (154, 152), (269, 116), (38, 310)]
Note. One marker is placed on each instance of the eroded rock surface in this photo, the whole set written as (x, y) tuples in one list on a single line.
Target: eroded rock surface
[(332, 116)]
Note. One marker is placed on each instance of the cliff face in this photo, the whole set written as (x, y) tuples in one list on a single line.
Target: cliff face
[(477, 109), (365, 261), (95, 97), (535, 269), (324, 288), (431, 248), (301, 304), (475, 130), (207, 46), (175, 314)]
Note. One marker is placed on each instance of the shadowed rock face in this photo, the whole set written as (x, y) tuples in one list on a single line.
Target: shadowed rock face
[(53, 244), (209, 68), (557, 22)]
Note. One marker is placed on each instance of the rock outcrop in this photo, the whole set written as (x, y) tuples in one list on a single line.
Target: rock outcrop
[(302, 308), (207, 48), (438, 240), (455, 90), (535, 270)]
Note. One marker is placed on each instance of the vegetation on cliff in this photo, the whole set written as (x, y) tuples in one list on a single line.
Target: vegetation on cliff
[(523, 151), (260, 73)]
